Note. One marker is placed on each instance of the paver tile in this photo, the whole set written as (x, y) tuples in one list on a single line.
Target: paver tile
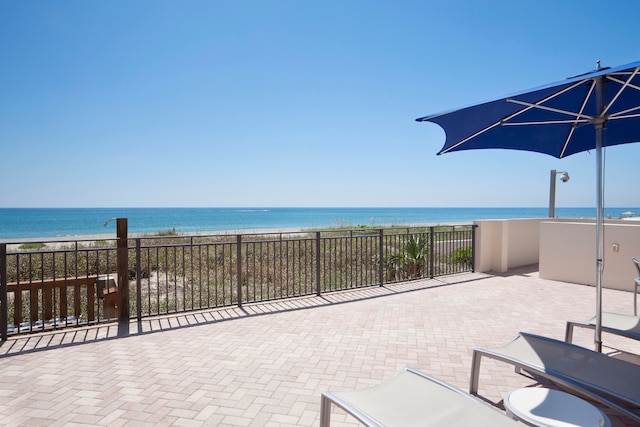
[(267, 364)]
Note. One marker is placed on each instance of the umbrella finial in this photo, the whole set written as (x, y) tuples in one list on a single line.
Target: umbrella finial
[(598, 64)]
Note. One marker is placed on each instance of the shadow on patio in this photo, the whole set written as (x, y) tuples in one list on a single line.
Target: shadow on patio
[(266, 364)]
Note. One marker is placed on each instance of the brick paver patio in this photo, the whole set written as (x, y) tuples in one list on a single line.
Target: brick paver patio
[(266, 364)]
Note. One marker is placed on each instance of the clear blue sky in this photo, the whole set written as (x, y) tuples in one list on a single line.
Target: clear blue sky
[(290, 102)]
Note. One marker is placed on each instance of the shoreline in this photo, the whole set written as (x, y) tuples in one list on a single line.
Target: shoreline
[(59, 241), (76, 223)]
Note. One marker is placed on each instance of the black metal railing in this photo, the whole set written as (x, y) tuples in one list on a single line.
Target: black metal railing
[(78, 283)]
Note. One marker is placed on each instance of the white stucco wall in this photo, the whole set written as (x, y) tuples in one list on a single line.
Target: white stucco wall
[(564, 249), (504, 244), (568, 252)]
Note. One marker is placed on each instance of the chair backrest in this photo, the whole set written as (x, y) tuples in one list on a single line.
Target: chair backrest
[(637, 263)]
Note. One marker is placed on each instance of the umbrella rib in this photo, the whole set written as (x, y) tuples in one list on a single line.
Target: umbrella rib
[(548, 122), (471, 137), (630, 116), (488, 128), (517, 113), (555, 110), (614, 79), (629, 110), (542, 107), (632, 86), (622, 88), (573, 127)]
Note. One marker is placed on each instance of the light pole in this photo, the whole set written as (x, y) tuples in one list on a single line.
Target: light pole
[(564, 177)]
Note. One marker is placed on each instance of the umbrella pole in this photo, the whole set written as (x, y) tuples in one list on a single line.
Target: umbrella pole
[(599, 126), (599, 242)]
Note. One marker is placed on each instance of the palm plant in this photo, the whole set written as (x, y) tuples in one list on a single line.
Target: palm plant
[(411, 262)]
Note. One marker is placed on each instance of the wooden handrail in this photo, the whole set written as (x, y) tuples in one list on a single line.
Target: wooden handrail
[(47, 286)]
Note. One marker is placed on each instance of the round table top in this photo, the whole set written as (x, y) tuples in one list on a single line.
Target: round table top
[(553, 408)]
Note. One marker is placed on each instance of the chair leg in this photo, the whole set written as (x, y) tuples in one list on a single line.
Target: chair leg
[(568, 334), (325, 411), (475, 372), (635, 297)]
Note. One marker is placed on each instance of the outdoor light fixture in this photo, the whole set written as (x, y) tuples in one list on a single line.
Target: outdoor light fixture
[(564, 177)]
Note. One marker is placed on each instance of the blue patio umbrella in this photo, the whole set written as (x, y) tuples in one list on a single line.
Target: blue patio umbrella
[(590, 111)]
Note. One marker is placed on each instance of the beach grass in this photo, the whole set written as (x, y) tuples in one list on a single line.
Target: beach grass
[(182, 273), (32, 245)]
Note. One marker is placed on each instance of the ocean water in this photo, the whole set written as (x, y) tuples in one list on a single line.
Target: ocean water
[(19, 223)]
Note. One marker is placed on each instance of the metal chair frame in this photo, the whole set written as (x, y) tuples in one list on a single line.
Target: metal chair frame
[(636, 285), (583, 387)]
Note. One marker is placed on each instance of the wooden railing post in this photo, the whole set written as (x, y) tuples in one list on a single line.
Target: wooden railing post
[(123, 268), (4, 312)]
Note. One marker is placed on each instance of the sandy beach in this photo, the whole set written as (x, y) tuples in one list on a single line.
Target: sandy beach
[(62, 242), (65, 241)]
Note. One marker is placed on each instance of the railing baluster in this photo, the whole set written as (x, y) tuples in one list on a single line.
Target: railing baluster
[(317, 263), (261, 269), (138, 281), (431, 272), (4, 310), (239, 269), (381, 257)]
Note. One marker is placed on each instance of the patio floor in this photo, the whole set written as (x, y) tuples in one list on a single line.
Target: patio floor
[(266, 364)]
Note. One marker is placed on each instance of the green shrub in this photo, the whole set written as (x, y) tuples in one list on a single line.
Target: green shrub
[(167, 233), (411, 262), (462, 256), (32, 246)]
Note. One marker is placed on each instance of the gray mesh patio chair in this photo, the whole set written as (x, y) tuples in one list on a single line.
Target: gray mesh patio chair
[(583, 372), (613, 323), (412, 398)]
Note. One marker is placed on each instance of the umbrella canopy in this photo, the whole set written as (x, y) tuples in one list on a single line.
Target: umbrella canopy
[(556, 119), (598, 109)]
